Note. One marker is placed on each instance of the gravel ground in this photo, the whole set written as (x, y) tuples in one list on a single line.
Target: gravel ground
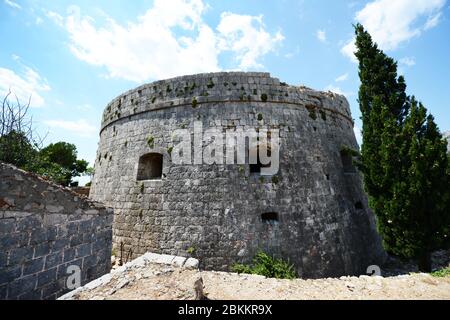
[(156, 281)]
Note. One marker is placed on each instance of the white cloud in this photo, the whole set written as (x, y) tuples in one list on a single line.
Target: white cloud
[(392, 22), (84, 107), (246, 37), (80, 127), (358, 135), (433, 21), (341, 78), (290, 55), (337, 90), (150, 49), (408, 61), (55, 17), (349, 50), (13, 4), (321, 35), (25, 85)]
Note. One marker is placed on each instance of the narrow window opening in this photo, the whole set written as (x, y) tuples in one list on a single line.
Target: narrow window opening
[(150, 166), (255, 168), (347, 162), (359, 206), (269, 217)]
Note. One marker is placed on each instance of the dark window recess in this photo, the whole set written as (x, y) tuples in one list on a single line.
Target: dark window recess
[(269, 217), (256, 167), (150, 166), (347, 162), (359, 206)]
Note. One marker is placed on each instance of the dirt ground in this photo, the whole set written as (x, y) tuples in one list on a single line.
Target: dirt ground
[(156, 281)]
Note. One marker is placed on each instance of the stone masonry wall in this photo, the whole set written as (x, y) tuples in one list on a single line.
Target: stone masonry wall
[(214, 212), (44, 229)]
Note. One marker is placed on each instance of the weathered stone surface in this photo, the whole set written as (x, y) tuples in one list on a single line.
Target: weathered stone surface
[(214, 212), (43, 231), (141, 263)]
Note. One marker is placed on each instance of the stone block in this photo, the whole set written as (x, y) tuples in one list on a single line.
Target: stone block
[(191, 263), (21, 286), (46, 277), (33, 266), (54, 259), (7, 275)]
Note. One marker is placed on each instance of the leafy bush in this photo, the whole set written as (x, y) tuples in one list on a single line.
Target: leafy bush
[(267, 266)]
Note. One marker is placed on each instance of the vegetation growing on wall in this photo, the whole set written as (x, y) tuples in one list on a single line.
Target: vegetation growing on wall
[(264, 97), (267, 266)]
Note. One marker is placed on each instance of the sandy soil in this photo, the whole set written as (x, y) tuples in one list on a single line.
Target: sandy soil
[(156, 281)]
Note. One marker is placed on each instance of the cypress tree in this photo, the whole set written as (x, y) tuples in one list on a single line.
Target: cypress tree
[(403, 159)]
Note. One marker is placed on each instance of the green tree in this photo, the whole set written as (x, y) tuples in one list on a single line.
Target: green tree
[(59, 162), (15, 148), (403, 159), (20, 146)]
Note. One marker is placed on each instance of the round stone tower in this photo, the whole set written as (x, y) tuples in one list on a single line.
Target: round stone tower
[(312, 211)]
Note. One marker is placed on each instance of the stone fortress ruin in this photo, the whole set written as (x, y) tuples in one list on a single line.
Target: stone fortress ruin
[(312, 211)]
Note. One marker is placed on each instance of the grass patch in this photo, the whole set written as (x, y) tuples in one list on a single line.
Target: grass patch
[(441, 273), (265, 265)]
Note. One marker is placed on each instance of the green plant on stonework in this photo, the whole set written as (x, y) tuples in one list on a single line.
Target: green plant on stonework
[(265, 265), (210, 84), (191, 250), (312, 112), (142, 187), (264, 97), (323, 115), (441, 273), (151, 141), (275, 180), (349, 151), (403, 158), (194, 103), (260, 117), (169, 150)]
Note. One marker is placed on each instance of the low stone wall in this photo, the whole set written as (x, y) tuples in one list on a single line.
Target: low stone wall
[(45, 229)]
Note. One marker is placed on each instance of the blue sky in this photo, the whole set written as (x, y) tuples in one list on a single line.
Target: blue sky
[(72, 58)]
